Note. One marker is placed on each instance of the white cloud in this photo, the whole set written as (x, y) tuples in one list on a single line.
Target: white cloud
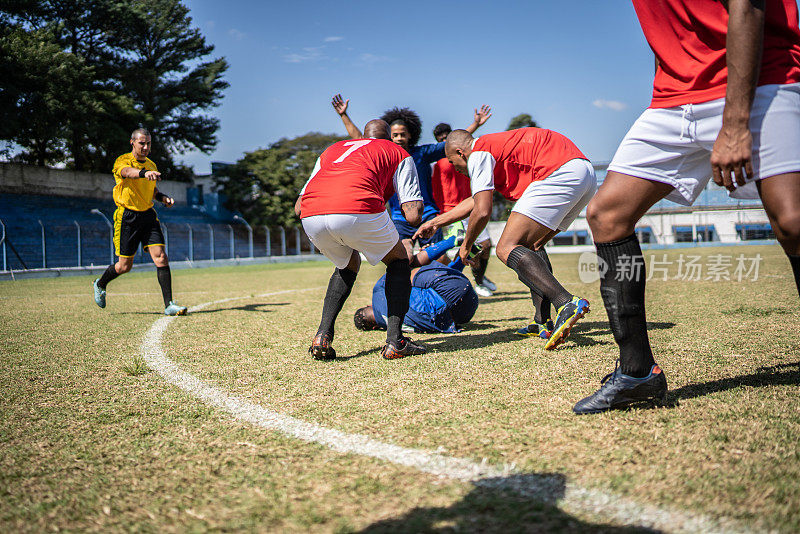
[(372, 58), (333, 38), (236, 34), (610, 104), (309, 53)]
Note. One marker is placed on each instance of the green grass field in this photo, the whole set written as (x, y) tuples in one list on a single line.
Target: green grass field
[(92, 439)]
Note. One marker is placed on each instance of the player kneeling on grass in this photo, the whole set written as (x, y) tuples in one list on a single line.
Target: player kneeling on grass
[(442, 298), (551, 182), (136, 222), (343, 211)]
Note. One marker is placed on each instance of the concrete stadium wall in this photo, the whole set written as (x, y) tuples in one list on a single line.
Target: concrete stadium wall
[(33, 180)]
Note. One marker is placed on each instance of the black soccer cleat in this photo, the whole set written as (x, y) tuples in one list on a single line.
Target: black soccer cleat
[(401, 348), (622, 391), (321, 349)]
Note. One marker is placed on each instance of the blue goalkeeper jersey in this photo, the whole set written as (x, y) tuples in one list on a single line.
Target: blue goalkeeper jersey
[(424, 156), (441, 299)]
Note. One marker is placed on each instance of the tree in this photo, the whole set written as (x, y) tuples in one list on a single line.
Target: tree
[(170, 96), (264, 185), (523, 120), (104, 68)]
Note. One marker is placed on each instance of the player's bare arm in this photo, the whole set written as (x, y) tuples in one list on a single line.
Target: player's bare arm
[(480, 118), (461, 211), (731, 158), (412, 211), (131, 172), (340, 105), (478, 219), (167, 200)]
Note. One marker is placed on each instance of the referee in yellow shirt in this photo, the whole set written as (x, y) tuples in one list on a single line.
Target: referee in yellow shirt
[(136, 222)]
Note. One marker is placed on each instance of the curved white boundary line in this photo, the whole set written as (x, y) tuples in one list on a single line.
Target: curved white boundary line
[(570, 497)]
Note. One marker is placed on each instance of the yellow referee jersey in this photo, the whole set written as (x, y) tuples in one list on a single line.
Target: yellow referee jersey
[(133, 193)]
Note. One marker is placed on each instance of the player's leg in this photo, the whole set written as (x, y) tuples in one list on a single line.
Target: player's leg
[(542, 325), (532, 270), (125, 245), (612, 214), (339, 287), (398, 293), (781, 198)]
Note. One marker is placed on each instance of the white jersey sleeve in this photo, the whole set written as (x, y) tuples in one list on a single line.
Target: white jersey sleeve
[(406, 181), (480, 167), (313, 173)]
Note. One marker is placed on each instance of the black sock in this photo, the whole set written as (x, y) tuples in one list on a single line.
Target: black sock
[(794, 259), (480, 270), (398, 293), (339, 287), (622, 283), (541, 304), (532, 271), (108, 275), (165, 281)]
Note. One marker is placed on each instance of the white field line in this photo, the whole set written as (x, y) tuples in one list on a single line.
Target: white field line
[(568, 496)]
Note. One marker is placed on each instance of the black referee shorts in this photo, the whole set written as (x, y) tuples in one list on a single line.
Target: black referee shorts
[(132, 228)]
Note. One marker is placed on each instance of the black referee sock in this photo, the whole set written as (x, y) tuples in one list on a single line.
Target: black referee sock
[(541, 304), (532, 271), (398, 293), (794, 259), (339, 287), (622, 286), (480, 270), (164, 276), (108, 275)]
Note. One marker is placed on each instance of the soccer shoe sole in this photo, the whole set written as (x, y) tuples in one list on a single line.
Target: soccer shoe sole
[(521, 332), (561, 334), (655, 402), (318, 352)]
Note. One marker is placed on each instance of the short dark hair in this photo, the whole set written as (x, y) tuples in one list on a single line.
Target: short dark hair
[(140, 131), (441, 128), (407, 118), (361, 322)]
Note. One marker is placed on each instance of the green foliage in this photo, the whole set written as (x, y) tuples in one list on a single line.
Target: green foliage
[(523, 120), (77, 76), (265, 183)]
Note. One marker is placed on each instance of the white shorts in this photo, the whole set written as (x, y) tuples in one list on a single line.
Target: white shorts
[(673, 145), (463, 223), (557, 200), (338, 235)]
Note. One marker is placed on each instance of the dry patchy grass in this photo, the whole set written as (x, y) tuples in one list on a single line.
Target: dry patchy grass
[(89, 442)]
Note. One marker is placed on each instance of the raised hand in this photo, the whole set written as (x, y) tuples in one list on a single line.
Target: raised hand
[(483, 115), (339, 104)]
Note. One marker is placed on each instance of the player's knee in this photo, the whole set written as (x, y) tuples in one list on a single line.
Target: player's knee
[(123, 268), (604, 220), (161, 260), (787, 229), (503, 249)]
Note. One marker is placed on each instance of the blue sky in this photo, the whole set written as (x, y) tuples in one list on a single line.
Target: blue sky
[(581, 68)]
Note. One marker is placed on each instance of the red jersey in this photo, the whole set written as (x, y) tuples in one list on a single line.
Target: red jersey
[(359, 176), (510, 161), (688, 38), (449, 186)]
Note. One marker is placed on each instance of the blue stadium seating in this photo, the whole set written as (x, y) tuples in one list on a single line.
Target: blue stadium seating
[(21, 215)]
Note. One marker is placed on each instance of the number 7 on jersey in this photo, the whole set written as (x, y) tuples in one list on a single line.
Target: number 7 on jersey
[(354, 145)]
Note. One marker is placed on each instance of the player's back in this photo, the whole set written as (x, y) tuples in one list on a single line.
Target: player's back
[(526, 155), (355, 176)]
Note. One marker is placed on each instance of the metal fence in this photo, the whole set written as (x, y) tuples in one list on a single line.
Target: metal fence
[(57, 244)]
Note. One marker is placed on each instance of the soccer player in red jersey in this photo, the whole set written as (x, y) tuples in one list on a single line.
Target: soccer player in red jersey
[(343, 211), (449, 188), (549, 179), (726, 103)]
